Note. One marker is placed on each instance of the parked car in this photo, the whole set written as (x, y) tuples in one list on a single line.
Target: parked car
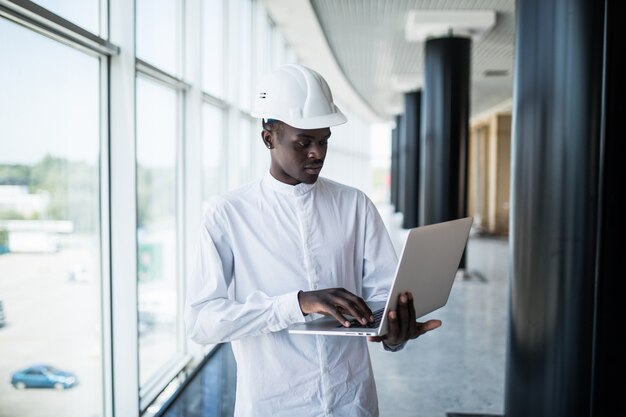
[(146, 322), (43, 376)]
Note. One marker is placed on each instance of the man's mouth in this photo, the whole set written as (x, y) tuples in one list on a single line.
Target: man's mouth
[(313, 168)]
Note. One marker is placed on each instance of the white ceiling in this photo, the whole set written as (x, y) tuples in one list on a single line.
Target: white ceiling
[(366, 38)]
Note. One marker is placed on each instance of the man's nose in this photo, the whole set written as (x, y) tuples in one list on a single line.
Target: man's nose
[(316, 151)]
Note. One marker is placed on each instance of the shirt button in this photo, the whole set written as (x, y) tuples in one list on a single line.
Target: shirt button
[(315, 286)]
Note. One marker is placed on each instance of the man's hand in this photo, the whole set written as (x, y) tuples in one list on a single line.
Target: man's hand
[(335, 302), (402, 325)]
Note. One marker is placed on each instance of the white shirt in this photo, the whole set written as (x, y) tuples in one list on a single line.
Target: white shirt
[(259, 246)]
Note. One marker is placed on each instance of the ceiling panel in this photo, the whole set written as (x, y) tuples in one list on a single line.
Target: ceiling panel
[(367, 38)]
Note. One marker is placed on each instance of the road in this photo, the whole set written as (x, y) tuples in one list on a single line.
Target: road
[(55, 321)]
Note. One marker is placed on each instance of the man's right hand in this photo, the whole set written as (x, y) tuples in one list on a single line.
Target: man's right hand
[(335, 302)]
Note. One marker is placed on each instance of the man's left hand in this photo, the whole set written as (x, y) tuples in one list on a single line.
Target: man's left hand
[(402, 325)]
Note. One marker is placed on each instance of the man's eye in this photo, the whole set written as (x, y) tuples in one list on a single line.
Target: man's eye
[(324, 142), (303, 144)]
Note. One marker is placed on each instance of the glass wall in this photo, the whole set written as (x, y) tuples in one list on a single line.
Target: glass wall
[(50, 264), (160, 89), (143, 105)]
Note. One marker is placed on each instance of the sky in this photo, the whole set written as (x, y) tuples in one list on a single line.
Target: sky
[(50, 93), (34, 73)]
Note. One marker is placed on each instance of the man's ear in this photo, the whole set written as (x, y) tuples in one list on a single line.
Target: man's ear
[(267, 137)]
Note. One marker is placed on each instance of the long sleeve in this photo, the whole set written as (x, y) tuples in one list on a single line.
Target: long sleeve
[(212, 316), (379, 260)]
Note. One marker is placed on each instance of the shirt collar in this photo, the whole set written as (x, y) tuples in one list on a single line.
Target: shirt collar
[(283, 188)]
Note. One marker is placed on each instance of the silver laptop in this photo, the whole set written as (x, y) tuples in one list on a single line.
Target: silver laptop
[(428, 264)]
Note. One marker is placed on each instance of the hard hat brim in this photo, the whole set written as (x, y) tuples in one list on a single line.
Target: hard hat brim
[(320, 122)]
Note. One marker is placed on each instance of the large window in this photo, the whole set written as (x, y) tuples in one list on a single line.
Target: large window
[(160, 91), (157, 241), (50, 268)]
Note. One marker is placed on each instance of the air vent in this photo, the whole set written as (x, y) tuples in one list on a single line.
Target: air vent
[(424, 24), (496, 73)]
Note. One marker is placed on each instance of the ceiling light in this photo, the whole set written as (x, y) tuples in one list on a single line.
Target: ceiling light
[(406, 82), (424, 24)]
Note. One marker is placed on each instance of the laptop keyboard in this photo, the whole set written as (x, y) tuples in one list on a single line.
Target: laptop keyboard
[(378, 314)]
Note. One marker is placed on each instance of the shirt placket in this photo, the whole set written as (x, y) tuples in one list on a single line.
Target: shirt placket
[(313, 279)]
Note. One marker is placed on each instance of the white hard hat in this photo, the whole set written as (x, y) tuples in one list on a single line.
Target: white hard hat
[(298, 96)]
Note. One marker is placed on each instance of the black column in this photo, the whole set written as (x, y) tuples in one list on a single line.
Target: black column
[(410, 152), (401, 165), (609, 358), (554, 207), (395, 143), (445, 130)]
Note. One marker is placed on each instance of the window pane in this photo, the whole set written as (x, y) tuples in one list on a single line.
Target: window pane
[(50, 276), (213, 47), (212, 150), (158, 33), (260, 154), (244, 149), (263, 46), (278, 48), (156, 226), (245, 54), (84, 13)]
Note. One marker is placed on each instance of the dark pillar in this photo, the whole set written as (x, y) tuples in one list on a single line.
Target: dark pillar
[(395, 143), (554, 207), (609, 359), (401, 167), (410, 154), (445, 130)]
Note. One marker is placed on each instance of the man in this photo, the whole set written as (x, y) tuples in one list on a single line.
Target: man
[(286, 248)]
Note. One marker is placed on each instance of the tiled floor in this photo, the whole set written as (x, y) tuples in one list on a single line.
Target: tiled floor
[(457, 370)]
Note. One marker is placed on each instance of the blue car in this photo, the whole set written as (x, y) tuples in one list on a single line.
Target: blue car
[(43, 376)]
